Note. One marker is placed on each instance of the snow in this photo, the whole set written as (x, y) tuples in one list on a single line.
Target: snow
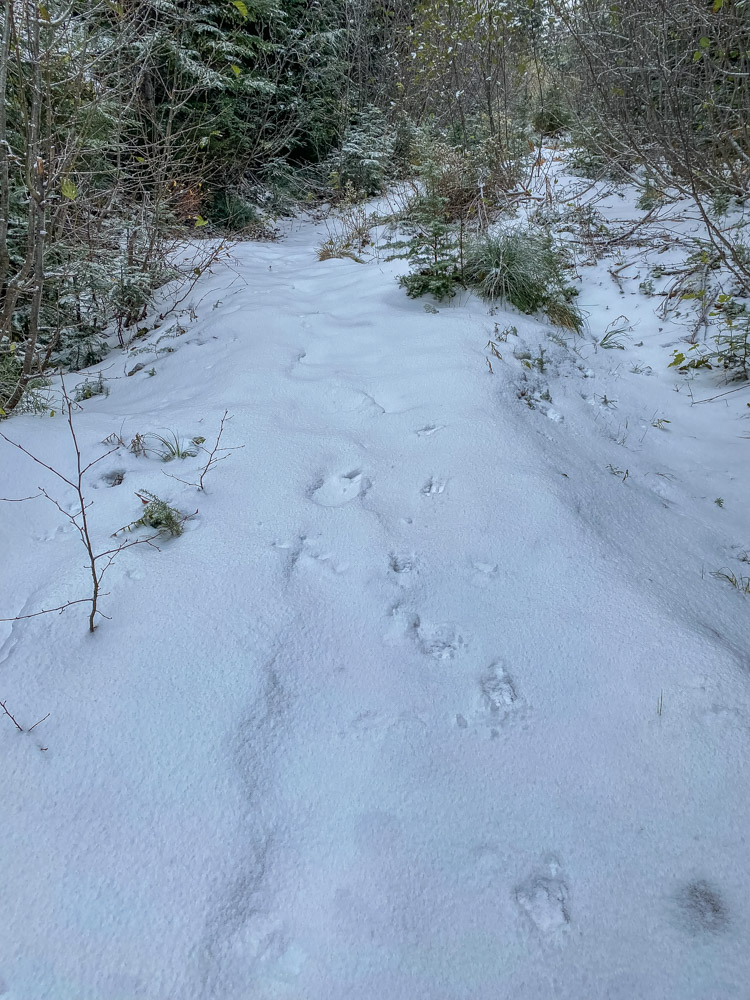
[(427, 703)]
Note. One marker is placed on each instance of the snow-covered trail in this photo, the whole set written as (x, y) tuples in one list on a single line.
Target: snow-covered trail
[(384, 723)]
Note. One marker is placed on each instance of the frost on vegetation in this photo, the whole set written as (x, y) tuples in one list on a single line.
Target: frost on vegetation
[(366, 152), (36, 395), (524, 268), (90, 388), (157, 514), (616, 335)]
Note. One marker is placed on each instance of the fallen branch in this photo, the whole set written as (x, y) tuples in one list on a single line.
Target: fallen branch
[(720, 394)]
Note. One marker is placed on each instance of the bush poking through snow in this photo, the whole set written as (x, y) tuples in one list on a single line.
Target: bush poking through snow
[(97, 562), (172, 447), (615, 335), (348, 229), (90, 388), (433, 249), (730, 352), (524, 268), (157, 514)]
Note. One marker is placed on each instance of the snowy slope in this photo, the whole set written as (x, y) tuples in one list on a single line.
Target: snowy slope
[(426, 704)]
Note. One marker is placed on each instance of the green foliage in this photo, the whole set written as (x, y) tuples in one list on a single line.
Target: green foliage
[(10, 374), (720, 203), (691, 361), (551, 116), (651, 197), (175, 115), (728, 350), (90, 388), (157, 514), (35, 398), (524, 268), (466, 62), (171, 447), (433, 248), (365, 157), (408, 142), (438, 280), (233, 212), (594, 153)]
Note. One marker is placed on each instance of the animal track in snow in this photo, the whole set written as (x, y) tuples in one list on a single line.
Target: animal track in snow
[(312, 554), (340, 489), (378, 726), (303, 551), (483, 573), (497, 701), (498, 691), (113, 478), (402, 624), (401, 563), (433, 487), (543, 898), (440, 640), (50, 534), (343, 399)]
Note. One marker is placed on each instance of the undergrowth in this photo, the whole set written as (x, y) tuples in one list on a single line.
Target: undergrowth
[(524, 268)]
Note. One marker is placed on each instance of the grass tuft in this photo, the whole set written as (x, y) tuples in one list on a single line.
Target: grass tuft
[(524, 268)]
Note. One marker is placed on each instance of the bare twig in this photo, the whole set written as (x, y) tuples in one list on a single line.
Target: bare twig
[(5, 709), (720, 394), (39, 723), (51, 611), (79, 520), (214, 457), (18, 499)]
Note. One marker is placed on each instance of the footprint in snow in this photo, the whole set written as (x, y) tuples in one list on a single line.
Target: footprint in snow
[(498, 691), (543, 899), (340, 489), (303, 551), (483, 573), (497, 701), (374, 726), (114, 478), (440, 640), (318, 557), (433, 487), (401, 564)]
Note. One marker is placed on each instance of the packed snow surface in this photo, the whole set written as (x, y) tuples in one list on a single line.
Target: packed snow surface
[(436, 697)]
